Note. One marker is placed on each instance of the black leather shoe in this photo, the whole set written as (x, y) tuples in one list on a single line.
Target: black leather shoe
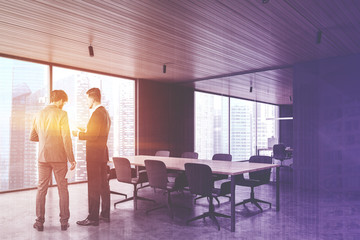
[(88, 222), (104, 219), (64, 227), (38, 226)]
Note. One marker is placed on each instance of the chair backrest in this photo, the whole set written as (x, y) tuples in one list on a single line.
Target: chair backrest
[(157, 174), (193, 155), (122, 169), (199, 177), (262, 175), (163, 153), (222, 157), (279, 151)]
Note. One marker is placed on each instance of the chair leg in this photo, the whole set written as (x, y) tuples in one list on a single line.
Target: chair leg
[(216, 198), (221, 215), (125, 200), (169, 204), (135, 197), (262, 201), (243, 202), (257, 204), (197, 199), (117, 193), (213, 218), (204, 215), (211, 213)]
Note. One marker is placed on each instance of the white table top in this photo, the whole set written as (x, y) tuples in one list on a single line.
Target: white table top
[(220, 167)]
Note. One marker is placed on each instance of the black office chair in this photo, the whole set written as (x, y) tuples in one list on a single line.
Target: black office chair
[(221, 157), (279, 153), (124, 174), (218, 177), (201, 183), (157, 175), (111, 174), (193, 155), (180, 177), (255, 179), (163, 153)]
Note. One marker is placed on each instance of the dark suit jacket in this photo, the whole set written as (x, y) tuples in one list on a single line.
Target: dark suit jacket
[(96, 136)]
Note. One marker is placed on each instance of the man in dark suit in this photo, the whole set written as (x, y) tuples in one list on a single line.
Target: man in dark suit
[(97, 156), (51, 130)]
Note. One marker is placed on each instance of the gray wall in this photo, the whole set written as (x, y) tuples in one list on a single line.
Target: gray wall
[(327, 125)]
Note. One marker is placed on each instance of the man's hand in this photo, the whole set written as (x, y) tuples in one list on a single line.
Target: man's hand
[(81, 129), (73, 165), (75, 133)]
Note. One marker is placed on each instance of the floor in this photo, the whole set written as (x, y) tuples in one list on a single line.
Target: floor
[(303, 215)]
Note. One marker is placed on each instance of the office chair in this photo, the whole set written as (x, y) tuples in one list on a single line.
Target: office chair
[(201, 183), (218, 177), (157, 175), (279, 153), (180, 177), (124, 174), (162, 153), (255, 179), (111, 174), (193, 155)]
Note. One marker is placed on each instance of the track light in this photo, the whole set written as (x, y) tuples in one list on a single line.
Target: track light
[(91, 51), (164, 68), (318, 37)]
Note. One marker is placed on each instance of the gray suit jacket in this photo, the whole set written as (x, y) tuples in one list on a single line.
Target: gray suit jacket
[(51, 130)]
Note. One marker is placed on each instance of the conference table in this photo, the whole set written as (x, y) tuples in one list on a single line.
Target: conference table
[(219, 167)]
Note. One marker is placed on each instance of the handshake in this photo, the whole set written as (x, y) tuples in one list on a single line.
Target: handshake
[(75, 133)]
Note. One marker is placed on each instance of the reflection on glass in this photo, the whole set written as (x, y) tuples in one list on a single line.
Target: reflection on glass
[(249, 126), (267, 127), (243, 128), (23, 90), (118, 97), (211, 124)]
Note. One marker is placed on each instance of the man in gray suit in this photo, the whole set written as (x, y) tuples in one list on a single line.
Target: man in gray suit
[(51, 130)]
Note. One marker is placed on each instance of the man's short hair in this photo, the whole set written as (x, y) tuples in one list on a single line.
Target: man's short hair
[(95, 94), (57, 95)]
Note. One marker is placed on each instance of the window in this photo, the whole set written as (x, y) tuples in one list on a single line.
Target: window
[(242, 128), (24, 91), (24, 86), (117, 96), (211, 124), (250, 128)]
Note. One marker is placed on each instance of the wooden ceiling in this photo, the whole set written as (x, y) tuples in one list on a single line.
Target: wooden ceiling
[(222, 46)]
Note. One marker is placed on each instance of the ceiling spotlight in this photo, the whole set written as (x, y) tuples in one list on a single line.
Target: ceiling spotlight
[(250, 89), (265, 1), (164, 68), (318, 37), (91, 51)]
